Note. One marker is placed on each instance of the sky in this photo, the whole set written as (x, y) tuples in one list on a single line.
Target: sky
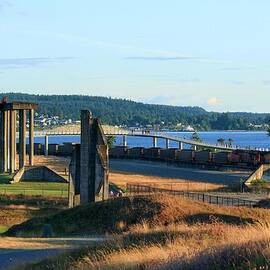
[(213, 54)]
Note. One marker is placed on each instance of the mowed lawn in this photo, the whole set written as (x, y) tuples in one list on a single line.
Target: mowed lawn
[(32, 188)]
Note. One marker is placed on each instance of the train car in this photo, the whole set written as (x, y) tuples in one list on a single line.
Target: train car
[(136, 152), (38, 149), (265, 157), (119, 152), (152, 153), (204, 156), (185, 155), (168, 154), (53, 149), (68, 148), (221, 157), (234, 158)]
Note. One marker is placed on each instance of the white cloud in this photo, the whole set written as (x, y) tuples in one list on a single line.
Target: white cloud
[(13, 63), (213, 101)]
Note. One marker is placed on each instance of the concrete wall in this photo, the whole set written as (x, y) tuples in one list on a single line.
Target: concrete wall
[(37, 173), (257, 174)]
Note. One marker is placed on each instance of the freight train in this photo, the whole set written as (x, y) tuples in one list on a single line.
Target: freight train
[(236, 157)]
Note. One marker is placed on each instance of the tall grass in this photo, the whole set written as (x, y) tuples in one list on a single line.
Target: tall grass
[(181, 235)]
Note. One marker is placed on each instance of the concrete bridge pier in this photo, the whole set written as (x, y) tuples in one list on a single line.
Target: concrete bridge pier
[(3, 144), (7, 141), (154, 141), (180, 146), (46, 145), (22, 138), (124, 140), (8, 128), (167, 143), (12, 141), (31, 137), (195, 147)]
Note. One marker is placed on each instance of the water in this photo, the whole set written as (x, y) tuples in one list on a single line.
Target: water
[(240, 138)]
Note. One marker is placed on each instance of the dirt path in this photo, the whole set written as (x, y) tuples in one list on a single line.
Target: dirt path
[(15, 252)]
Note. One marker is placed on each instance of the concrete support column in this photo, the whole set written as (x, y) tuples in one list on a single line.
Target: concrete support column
[(124, 140), (12, 141), (3, 145), (5, 130), (7, 166), (195, 147), (181, 146), (22, 138), (86, 117), (46, 145), (167, 143), (154, 141), (31, 137)]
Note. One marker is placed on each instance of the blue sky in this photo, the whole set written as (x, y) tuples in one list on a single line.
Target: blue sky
[(210, 53)]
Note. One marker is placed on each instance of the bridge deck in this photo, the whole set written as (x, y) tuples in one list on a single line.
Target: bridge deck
[(112, 131)]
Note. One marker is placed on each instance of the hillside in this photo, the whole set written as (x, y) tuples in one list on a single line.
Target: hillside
[(159, 232), (127, 112)]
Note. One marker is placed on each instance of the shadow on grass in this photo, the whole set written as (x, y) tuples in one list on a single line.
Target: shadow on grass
[(5, 178), (249, 255)]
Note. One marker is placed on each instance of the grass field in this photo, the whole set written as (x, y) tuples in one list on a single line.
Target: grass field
[(5, 178), (35, 188), (121, 179), (3, 228), (159, 232)]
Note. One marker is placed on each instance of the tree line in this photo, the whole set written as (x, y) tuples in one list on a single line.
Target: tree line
[(126, 112)]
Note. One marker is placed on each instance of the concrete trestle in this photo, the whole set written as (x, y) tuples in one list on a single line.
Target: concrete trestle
[(8, 125), (89, 165)]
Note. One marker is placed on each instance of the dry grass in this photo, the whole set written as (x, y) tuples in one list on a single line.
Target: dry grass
[(184, 247), (176, 234), (29, 243), (10, 217), (122, 179), (200, 246)]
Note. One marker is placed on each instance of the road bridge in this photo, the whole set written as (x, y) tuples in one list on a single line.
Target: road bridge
[(115, 131)]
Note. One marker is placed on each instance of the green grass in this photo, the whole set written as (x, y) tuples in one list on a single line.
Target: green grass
[(5, 178), (34, 188), (3, 228)]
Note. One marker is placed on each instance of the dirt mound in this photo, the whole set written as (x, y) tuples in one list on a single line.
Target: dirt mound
[(119, 215)]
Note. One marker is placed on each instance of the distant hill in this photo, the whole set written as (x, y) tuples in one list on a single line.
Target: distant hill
[(126, 112)]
